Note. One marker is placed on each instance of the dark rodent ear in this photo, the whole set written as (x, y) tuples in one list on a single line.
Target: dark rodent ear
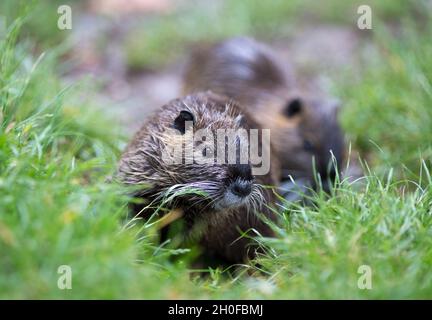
[(293, 107), (180, 121)]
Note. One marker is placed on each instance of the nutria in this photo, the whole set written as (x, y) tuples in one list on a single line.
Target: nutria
[(304, 129), (230, 199)]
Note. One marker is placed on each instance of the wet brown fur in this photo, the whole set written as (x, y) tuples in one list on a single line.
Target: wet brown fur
[(217, 230)]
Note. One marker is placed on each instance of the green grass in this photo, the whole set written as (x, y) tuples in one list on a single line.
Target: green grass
[(389, 103), (57, 151)]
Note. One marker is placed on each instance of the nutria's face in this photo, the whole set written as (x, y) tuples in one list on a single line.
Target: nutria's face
[(308, 137), (198, 178)]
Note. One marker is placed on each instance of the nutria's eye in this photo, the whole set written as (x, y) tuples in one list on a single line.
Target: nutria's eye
[(293, 108), (204, 152), (180, 121)]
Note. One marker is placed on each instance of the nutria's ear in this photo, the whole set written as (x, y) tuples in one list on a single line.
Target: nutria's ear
[(293, 107), (180, 121)]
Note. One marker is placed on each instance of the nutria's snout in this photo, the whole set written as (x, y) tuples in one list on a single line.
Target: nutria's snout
[(236, 194), (239, 186)]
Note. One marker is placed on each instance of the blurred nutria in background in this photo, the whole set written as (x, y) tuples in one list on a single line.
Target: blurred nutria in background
[(304, 129)]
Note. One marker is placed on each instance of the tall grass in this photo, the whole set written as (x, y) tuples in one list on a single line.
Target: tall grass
[(55, 207)]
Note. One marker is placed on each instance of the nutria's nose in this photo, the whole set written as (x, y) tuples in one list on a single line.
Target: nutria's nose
[(241, 188)]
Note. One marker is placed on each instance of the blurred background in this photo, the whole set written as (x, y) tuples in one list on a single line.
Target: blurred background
[(134, 50)]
